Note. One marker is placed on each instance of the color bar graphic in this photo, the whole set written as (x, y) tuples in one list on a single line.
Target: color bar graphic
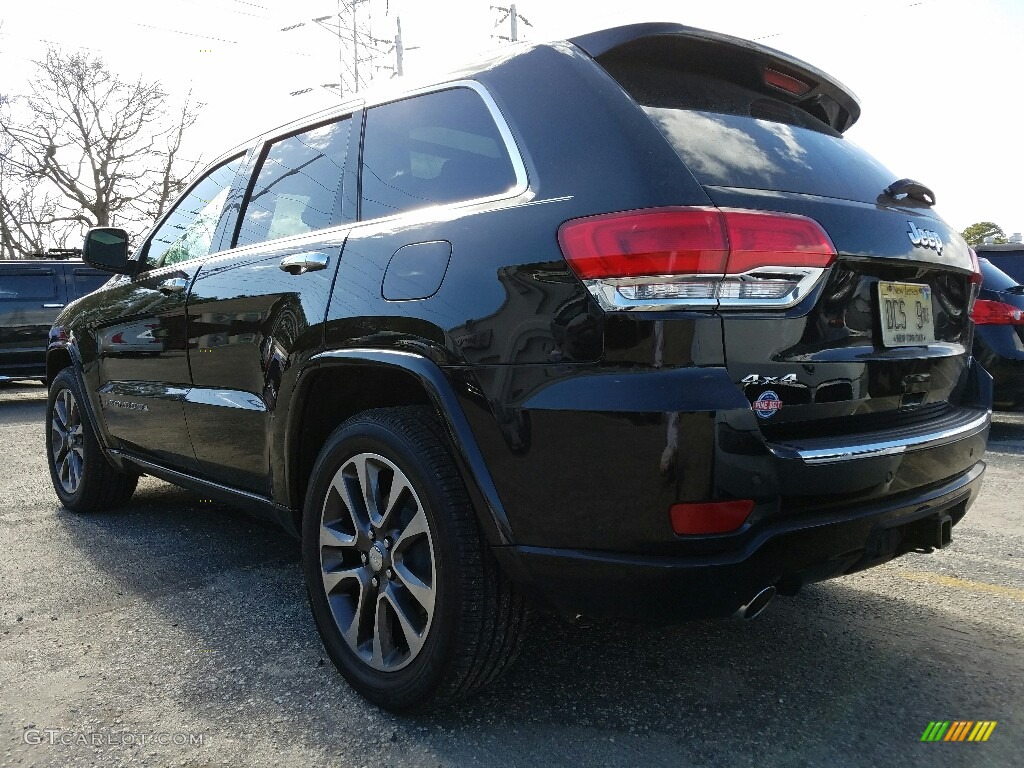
[(958, 730)]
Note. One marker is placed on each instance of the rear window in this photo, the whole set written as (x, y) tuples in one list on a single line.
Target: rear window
[(732, 136)]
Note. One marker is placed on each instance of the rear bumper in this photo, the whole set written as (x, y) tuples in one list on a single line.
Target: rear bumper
[(592, 458), (786, 553)]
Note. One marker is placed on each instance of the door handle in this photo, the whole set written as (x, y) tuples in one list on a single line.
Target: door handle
[(173, 285), (304, 262), (53, 306)]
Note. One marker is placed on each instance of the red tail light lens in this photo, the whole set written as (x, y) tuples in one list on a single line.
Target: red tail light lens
[(987, 312), (659, 242), (776, 240), (696, 257), (710, 517)]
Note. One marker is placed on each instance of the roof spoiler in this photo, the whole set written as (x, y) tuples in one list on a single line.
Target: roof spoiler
[(734, 58)]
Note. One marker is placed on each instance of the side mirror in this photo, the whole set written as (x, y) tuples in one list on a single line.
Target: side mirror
[(106, 248)]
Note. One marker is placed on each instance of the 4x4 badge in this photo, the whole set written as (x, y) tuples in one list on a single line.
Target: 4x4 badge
[(756, 378), (924, 238)]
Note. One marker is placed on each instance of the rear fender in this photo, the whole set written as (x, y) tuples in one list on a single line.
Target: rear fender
[(482, 491)]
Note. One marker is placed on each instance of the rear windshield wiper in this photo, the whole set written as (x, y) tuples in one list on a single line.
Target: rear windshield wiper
[(912, 189), (1017, 290)]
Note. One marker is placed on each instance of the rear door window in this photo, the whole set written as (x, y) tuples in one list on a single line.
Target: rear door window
[(731, 136), (298, 188), (441, 147)]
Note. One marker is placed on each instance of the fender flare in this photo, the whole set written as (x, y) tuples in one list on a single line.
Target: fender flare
[(99, 428), (483, 493)]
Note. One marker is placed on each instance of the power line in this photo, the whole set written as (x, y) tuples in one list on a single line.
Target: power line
[(189, 34)]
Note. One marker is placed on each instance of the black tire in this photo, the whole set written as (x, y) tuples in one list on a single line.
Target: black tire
[(478, 620), (98, 485)]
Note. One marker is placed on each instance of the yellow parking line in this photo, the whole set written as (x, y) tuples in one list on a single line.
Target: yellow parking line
[(964, 584)]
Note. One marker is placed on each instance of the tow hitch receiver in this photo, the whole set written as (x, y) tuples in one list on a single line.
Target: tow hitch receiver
[(945, 532), (931, 533)]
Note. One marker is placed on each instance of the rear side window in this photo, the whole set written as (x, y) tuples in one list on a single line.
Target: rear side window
[(298, 188), (27, 284), (731, 136), (442, 147)]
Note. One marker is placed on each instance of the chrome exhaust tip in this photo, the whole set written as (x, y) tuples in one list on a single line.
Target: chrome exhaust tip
[(756, 605)]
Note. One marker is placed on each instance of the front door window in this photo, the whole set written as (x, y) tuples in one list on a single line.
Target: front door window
[(188, 233)]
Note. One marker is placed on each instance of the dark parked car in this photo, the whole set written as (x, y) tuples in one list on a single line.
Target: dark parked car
[(32, 293), (998, 315), (621, 326), (1008, 257)]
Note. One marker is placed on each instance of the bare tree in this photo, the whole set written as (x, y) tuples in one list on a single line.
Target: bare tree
[(85, 148)]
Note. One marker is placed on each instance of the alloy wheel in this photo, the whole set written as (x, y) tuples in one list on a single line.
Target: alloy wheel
[(377, 562), (67, 441)]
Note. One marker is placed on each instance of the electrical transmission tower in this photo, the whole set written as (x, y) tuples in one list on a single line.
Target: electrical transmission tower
[(514, 17), (357, 47)]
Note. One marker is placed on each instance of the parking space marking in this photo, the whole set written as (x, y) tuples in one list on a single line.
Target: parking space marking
[(965, 584)]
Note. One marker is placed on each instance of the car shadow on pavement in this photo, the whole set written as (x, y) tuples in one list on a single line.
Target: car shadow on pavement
[(835, 675), (1007, 432)]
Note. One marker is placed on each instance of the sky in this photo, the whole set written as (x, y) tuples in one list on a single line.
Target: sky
[(939, 81)]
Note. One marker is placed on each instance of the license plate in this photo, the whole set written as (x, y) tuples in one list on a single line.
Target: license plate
[(906, 314)]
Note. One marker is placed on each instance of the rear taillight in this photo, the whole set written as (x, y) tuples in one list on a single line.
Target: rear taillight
[(696, 258), (987, 312)]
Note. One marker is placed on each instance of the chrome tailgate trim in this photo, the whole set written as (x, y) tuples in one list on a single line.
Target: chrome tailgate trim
[(966, 424)]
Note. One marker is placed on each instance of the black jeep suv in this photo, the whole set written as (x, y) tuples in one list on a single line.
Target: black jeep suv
[(620, 325)]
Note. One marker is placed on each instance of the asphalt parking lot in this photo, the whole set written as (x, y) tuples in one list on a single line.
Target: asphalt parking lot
[(123, 635)]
